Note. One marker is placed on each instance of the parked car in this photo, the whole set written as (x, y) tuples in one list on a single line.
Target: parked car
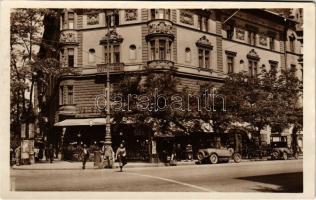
[(215, 155), (280, 149)]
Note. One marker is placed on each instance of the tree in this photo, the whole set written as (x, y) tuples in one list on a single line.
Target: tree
[(27, 67)]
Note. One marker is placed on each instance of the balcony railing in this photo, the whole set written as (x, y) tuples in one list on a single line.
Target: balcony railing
[(113, 67), (160, 64)]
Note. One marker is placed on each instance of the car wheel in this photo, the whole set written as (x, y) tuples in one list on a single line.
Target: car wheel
[(285, 156), (237, 157), (275, 155), (200, 157), (214, 159)]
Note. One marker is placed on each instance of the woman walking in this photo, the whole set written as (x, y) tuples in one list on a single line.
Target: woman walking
[(121, 156)]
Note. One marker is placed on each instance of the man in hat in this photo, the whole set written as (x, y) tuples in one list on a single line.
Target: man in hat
[(108, 155), (85, 156)]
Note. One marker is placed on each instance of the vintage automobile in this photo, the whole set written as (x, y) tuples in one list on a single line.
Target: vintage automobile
[(280, 149), (215, 155)]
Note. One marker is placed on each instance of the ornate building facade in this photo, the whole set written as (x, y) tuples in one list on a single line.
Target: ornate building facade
[(203, 44)]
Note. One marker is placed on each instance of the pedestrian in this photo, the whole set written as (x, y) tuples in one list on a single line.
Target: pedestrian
[(17, 155), (108, 155), (121, 156), (51, 153), (85, 156)]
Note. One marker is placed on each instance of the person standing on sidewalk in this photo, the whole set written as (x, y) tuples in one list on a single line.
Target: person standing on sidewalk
[(108, 155), (121, 156), (51, 153), (85, 156), (17, 155)]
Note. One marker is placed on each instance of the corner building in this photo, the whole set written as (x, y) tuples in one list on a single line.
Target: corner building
[(203, 44)]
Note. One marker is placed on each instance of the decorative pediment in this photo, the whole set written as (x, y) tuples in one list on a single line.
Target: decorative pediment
[(112, 37), (230, 53), (253, 55), (204, 42)]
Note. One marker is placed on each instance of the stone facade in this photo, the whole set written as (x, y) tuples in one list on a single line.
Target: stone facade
[(267, 37)]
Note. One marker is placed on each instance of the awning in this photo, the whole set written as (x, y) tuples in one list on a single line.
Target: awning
[(82, 122)]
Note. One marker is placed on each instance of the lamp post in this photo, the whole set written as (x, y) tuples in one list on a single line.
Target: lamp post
[(108, 138)]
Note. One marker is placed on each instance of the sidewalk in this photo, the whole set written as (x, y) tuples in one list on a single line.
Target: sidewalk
[(66, 165)]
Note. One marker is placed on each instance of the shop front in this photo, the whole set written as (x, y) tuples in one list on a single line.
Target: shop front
[(76, 132)]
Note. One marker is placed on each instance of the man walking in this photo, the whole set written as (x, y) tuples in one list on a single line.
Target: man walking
[(85, 154)]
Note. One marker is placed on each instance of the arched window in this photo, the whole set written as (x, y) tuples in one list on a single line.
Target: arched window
[(91, 58), (187, 54), (132, 52)]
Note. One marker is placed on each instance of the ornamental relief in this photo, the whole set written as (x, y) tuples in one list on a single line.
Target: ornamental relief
[(186, 18), (161, 27), (240, 34), (93, 19), (130, 14), (263, 40), (68, 38)]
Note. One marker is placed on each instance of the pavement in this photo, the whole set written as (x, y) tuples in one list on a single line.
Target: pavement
[(281, 176), (66, 165)]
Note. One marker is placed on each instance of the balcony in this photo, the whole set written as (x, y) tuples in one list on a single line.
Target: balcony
[(68, 37), (160, 27), (160, 64), (113, 67)]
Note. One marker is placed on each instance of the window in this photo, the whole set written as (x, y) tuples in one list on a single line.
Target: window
[(162, 49), (252, 37), (152, 50), (207, 59), (253, 68), (71, 59), (113, 20), (71, 20), (107, 55), (230, 64), (152, 13), (273, 65), (91, 57), (230, 32), (206, 24), (70, 95), (200, 22), (292, 44), (200, 58), (116, 54), (160, 14), (61, 95), (271, 43), (204, 58), (132, 52), (293, 68), (187, 54)]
